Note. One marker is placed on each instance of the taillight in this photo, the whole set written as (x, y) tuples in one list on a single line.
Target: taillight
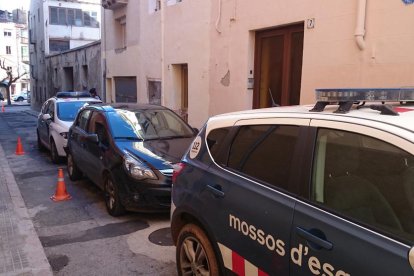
[(178, 168)]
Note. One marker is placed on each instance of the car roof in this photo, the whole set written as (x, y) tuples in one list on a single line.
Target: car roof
[(404, 119), (126, 106)]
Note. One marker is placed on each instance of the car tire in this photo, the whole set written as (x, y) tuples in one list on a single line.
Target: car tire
[(40, 146), (20, 99), (54, 155), (192, 239), (112, 200), (73, 170)]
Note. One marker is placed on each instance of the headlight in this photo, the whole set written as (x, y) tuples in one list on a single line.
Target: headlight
[(64, 135), (137, 169)]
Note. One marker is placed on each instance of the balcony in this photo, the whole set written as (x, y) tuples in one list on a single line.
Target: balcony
[(114, 4)]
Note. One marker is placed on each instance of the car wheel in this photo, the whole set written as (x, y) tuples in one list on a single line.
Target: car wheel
[(39, 142), (194, 253), (73, 170), (54, 153), (112, 200), (20, 99)]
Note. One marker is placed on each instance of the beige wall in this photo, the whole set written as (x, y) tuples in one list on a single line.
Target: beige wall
[(331, 57), (219, 48), (142, 56), (186, 41)]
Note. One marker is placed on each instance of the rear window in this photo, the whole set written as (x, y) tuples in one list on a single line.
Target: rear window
[(67, 111)]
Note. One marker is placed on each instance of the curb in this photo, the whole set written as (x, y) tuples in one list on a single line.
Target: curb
[(31, 246)]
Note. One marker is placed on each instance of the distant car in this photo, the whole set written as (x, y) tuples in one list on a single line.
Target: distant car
[(128, 151), (20, 97), (1, 97), (56, 117)]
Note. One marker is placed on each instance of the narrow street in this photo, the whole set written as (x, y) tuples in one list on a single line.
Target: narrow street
[(78, 236)]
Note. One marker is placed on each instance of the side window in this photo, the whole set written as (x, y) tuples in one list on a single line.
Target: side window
[(82, 121), (365, 179), (51, 109), (215, 138), (98, 125), (264, 152), (45, 106)]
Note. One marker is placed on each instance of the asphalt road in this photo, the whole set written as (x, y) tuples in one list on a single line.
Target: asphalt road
[(78, 235)]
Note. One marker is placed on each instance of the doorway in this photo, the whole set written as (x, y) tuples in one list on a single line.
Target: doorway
[(278, 66)]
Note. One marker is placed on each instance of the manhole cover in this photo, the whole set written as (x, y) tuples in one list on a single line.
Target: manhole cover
[(161, 237)]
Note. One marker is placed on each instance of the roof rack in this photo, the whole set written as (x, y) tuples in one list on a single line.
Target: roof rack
[(347, 97), (75, 94)]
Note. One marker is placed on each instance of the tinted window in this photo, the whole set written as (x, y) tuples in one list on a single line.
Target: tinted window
[(97, 124), (66, 111), (214, 141), (147, 124), (83, 120), (365, 179), (264, 152)]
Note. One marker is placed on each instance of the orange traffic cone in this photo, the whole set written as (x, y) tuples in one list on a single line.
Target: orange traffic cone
[(19, 147), (61, 193)]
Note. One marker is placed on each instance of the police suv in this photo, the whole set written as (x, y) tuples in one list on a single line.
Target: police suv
[(326, 189)]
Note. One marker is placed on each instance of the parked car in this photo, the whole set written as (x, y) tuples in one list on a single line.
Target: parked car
[(129, 151), (20, 96), (286, 191), (56, 117), (1, 97)]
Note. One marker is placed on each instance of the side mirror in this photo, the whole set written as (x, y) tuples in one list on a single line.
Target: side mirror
[(46, 117), (93, 138)]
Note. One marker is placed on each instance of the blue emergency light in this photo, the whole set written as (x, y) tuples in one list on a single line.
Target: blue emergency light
[(346, 97)]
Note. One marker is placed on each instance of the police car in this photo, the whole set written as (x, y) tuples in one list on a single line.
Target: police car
[(326, 189), (56, 117)]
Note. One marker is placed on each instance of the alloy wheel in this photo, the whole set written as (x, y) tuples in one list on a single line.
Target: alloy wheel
[(193, 259)]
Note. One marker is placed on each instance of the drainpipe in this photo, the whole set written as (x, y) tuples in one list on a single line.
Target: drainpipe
[(218, 17), (360, 24)]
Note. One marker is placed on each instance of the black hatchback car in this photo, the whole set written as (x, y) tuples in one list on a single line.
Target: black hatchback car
[(129, 151)]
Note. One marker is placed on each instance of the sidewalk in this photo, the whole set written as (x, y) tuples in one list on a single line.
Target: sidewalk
[(21, 252)]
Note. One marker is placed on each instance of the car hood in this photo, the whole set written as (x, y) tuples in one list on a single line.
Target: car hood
[(161, 154)]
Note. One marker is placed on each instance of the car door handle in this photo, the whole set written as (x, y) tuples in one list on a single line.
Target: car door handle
[(311, 237), (216, 190)]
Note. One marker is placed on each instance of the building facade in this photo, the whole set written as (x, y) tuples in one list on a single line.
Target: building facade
[(77, 69), (14, 51), (227, 55), (57, 26)]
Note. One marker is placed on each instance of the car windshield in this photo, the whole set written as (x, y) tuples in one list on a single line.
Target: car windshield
[(66, 111), (147, 125)]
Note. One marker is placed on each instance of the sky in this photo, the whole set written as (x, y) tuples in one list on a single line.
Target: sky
[(14, 4)]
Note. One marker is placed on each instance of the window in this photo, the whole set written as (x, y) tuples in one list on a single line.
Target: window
[(7, 33), (214, 141), (97, 125), (365, 179), (73, 17), (58, 45), (67, 111), (264, 152), (8, 50), (121, 32), (53, 14), (154, 92), (83, 120), (51, 110)]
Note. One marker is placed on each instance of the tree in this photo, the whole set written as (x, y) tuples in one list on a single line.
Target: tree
[(10, 78)]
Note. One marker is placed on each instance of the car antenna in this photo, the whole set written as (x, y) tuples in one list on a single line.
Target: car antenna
[(274, 104)]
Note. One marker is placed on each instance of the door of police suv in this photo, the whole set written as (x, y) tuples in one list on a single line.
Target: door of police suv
[(248, 194), (358, 219)]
